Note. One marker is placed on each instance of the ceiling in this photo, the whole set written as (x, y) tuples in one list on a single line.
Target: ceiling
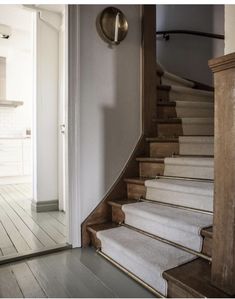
[(16, 17)]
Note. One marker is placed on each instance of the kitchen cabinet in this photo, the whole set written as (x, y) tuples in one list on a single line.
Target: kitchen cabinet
[(15, 157)]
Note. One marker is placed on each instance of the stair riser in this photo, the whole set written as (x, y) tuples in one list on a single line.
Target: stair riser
[(150, 169), (166, 112), (169, 95), (176, 291), (190, 171), (184, 130), (207, 246), (135, 191), (168, 81), (185, 199), (163, 95), (196, 149), (180, 96), (171, 112), (163, 149)]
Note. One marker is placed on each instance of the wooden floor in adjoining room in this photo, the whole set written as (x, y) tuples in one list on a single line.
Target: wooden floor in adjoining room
[(23, 230)]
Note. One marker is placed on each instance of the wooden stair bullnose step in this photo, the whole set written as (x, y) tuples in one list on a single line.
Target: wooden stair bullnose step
[(192, 280)]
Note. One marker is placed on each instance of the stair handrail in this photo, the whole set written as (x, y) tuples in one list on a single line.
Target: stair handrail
[(166, 33)]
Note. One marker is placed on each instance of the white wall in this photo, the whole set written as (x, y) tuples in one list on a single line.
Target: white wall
[(109, 103), (46, 109), (229, 29), (187, 55)]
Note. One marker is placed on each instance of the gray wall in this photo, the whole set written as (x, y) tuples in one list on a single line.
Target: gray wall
[(110, 103), (187, 55)]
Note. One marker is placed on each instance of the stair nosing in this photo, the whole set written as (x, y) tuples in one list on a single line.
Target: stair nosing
[(150, 160)]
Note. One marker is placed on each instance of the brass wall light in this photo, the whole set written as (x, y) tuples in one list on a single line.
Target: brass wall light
[(112, 25)]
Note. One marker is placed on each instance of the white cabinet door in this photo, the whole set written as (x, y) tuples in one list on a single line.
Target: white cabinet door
[(10, 169)]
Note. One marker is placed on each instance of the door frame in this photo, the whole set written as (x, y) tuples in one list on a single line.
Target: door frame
[(74, 219)]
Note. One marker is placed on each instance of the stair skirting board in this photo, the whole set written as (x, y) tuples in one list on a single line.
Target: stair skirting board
[(45, 206)]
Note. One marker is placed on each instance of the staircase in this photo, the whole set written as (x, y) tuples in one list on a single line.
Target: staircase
[(161, 233)]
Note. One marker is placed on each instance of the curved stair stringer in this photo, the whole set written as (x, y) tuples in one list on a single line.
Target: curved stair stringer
[(102, 212)]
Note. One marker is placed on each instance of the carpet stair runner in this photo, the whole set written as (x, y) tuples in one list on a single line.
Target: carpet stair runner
[(165, 224)]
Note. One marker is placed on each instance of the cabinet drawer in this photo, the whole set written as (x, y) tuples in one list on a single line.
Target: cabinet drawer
[(8, 143), (11, 169), (11, 154)]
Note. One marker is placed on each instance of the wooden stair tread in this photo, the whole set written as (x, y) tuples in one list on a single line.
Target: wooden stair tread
[(137, 181), (166, 103), (207, 232), (119, 202), (173, 120), (94, 228), (195, 278), (148, 159), (162, 139)]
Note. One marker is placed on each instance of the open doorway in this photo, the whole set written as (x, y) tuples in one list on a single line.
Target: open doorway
[(33, 137)]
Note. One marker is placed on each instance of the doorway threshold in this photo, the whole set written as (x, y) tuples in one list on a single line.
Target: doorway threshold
[(33, 253)]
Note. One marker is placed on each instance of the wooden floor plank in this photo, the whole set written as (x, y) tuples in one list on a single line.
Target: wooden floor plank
[(76, 280), (6, 245), (51, 226), (48, 281), (17, 239), (60, 216), (27, 229), (9, 287), (29, 286), (27, 234), (61, 228), (41, 235)]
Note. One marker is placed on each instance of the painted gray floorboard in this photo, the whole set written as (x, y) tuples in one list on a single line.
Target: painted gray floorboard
[(77, 273), (87, 284), (115, 279), (13, 233), (6, 244), (8, 284), (27, 282)]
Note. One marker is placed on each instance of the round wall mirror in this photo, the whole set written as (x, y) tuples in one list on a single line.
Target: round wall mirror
[(113, 25)]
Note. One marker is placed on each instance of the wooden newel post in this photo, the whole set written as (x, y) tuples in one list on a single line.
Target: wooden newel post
[(223, 253)]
